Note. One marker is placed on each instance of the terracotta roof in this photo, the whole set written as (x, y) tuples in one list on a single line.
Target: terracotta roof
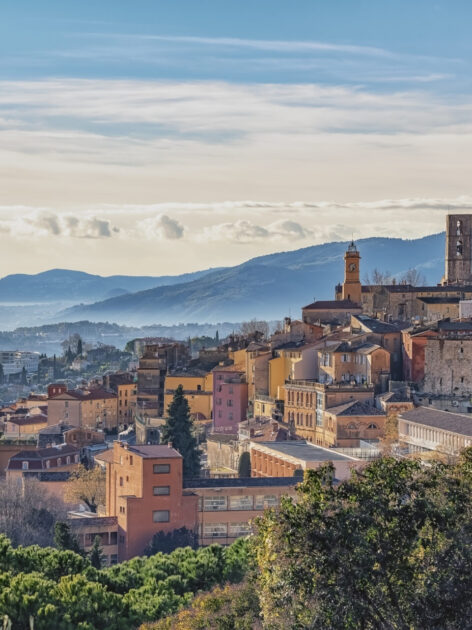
[(29, 420), (104, 456), (331, 305), (51, 451), (376, 325)]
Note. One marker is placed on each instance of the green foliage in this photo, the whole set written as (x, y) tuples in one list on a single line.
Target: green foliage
[(169, 541), (244, 466), (62, 590), (179, 430), (96, 554), (64, 539), (229, 608), (390, 548)]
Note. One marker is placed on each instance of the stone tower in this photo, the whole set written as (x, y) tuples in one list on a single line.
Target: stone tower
[(458, 249), (352, 288)]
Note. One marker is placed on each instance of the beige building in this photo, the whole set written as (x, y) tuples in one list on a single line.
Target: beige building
[(427, 429), (95, 409), (347, 362)]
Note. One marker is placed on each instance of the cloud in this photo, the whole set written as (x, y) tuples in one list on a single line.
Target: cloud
[(162, 227), (244, 231), (46, 223)]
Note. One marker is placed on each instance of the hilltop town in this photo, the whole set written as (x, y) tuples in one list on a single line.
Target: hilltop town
[(380, 369)]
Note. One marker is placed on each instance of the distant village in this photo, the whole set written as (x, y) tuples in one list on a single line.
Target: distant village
[(380, 368)]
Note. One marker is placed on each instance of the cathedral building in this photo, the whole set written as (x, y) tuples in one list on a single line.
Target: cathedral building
[(406, 302)]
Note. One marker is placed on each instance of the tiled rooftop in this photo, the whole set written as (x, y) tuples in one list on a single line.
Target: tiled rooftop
[(445, 420)]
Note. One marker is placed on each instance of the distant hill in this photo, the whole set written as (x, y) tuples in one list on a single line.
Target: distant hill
[(266, 287), (65, 285)]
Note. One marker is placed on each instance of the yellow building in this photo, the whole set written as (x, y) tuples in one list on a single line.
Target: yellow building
[(198, 390)]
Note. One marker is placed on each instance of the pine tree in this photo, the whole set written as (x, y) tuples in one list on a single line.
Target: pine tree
[(96, 553), (79, 347), (64, 540), (178, 430)]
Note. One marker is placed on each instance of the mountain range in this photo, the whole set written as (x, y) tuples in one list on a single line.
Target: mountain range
[(267, 287)]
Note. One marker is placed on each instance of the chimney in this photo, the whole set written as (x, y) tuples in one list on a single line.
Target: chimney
[(169, 444)]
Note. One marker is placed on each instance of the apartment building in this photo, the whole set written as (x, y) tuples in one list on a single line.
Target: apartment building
[(306, 402), (198, 390), (92, 409)]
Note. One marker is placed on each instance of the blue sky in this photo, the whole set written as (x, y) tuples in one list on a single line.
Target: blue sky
[(195, 133)]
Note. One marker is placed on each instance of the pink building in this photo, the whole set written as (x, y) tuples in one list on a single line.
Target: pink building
[(230, 398)]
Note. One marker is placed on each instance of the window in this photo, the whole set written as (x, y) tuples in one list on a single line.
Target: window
[(161, 490), (159, 469), (68, 460), (161, 516), (241, 503), (239, 529), (48, 463), (121, 481), (230, 415), (25, 465), (66, 404), (229, 403), (199, 388), (215, 530), (265, 501), (372, 426), (113, 558), (211, 503), (130, 460), (76, 459)]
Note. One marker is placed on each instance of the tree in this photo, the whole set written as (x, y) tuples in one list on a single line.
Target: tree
[(413, 277), (87, 486), (2, 375), (96, 553), (28, 512), (69, 356), (391, 433), (178, 430), (391, 548), (255, 328), (378, 277), (244, 466), (24, 379), (217, 338), (169, 541), (79, 347), (64, 539)]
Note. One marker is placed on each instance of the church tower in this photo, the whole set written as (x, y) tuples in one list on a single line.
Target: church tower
[(458, 249), (351, 287)]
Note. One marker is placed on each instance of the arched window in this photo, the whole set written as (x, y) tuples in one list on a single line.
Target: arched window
[(372, 426)]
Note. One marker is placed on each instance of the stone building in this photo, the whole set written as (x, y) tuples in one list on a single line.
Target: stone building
[(458, 249), (94, 409), (364, 363)]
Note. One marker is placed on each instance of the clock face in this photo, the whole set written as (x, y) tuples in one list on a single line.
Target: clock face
[(352, 267)]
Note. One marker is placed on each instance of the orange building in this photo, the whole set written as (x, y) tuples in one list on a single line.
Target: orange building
[(152, 473), (306, 402), (282, 459), (360, 363)]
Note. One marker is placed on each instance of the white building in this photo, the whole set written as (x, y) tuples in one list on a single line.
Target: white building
[(13, 361)]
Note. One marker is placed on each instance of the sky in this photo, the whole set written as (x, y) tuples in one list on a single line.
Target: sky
[(155, 137)]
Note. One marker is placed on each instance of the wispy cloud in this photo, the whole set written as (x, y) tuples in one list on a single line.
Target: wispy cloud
[(44, 223)]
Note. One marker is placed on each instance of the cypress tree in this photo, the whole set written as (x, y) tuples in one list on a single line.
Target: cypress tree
[(178, 429), (244, 467), (64, 539), (24, 380), (79, 347), (2, 375), (96, 553)]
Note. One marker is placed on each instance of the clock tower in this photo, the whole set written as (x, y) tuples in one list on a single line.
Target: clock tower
[(351, 287)]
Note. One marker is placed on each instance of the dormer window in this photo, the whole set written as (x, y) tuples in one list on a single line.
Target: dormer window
[(24, 465)]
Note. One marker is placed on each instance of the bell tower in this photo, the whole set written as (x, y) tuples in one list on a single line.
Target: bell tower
[(351, 287), (458, 249)]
